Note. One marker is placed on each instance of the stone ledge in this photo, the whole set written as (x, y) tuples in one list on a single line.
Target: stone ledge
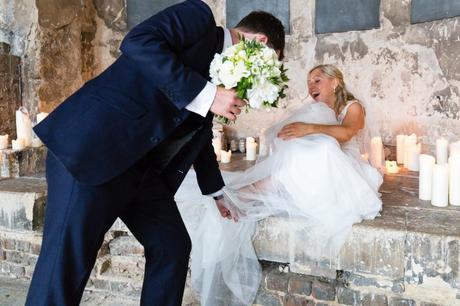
[(22, 203), (412, 249), (27, 162)]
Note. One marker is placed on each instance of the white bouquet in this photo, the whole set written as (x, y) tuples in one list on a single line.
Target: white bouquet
[(253, 69)]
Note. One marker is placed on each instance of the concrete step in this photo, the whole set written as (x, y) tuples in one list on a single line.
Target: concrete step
[(22, 203), (27, 162)]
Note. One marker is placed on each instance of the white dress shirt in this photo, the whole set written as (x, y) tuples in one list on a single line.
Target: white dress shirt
[(203, 101)]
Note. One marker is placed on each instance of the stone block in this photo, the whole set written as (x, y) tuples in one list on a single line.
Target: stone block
[(27, 162), (265, 298), (35, 248), (5, 48), (126, 246), (347, 296), (300, 285), (323, 290), (294, 300), (370, 299), (277, 281), (402, 302), (99, 284), (22, 205)]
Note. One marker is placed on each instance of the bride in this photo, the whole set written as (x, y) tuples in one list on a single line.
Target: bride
[(314, 176)]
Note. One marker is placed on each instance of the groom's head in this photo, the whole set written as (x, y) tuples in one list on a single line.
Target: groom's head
[(265, 28)]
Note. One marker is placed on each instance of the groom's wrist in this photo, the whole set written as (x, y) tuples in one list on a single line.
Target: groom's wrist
[(218, 197)]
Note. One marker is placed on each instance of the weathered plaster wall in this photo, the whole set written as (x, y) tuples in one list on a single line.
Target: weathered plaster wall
[(407, 75), (61, 43)]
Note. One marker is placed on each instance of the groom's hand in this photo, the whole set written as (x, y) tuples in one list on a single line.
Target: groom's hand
[(226, 103), (224, 211)]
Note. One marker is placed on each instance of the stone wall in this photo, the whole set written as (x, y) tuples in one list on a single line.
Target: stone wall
[(10, 90), (407, 75)]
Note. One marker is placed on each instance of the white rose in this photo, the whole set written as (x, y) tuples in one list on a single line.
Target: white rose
[(264, 91), (214, 68), (227, 76)]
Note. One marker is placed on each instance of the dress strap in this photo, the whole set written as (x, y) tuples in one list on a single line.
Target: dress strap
[(344, 111)]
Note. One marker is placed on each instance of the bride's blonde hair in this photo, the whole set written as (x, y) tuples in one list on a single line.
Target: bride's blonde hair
[(342, 95)]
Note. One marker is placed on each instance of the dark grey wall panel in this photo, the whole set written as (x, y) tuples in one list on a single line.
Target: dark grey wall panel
[(346, 15), (237, 9), (139, 10), (428, 10)]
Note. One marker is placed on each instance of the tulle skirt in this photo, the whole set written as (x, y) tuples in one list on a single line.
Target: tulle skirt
[(320, 188)]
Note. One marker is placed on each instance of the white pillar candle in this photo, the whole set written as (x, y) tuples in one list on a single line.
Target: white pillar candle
[(454, 180), (440, 187), (41, 116), (409, 141), (18, 144), (217, 144), (250, 140), (24, 125), (455, 148), (376, 156), (400, 148), (425, 177), (414, 157), (3, 142), (251, 149), (225, 156), (391, 166), (441, 151)]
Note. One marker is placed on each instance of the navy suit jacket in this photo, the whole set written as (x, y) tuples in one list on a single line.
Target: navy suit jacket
[(116, 118)]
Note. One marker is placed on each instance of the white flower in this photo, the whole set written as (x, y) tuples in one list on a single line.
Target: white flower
[(227, 76), (265, 91), (214, 69), (269, 56)]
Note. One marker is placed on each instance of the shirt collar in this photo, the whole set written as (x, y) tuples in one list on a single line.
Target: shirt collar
[(227, 39)]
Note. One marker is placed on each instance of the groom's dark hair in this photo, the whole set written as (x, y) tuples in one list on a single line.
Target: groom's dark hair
[(266, 23)]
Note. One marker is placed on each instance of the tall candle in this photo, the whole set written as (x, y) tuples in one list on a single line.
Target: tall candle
[(455, 148), (440, 187), (425, 177), (400, 148), (391, 166), (24, 125), (225, 156), (409, 141), (454, 180), (41, 116), (251, 149), (413, 157), (376, 156), (3, 142), (18, 144), (441, 151), (217, 144)]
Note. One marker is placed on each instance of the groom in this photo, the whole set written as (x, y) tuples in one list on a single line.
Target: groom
[(122, 144)]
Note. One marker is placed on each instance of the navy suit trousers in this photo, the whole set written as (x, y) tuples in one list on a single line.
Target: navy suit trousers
[(77, 218)]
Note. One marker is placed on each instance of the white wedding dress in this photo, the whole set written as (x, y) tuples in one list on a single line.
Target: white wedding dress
[(321, 186)]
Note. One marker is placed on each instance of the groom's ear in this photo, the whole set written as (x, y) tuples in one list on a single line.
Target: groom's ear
[(260, 37)]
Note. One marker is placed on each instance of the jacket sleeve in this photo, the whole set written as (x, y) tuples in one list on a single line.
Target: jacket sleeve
[(154, 45), (207, 169)]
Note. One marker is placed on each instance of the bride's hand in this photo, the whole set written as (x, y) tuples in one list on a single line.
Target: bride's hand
[(295, 130)]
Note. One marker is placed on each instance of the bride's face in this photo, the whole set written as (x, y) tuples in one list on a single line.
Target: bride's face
[(320, 87)]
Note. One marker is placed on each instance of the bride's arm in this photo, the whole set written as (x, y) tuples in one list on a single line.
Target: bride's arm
[(352, 123)]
